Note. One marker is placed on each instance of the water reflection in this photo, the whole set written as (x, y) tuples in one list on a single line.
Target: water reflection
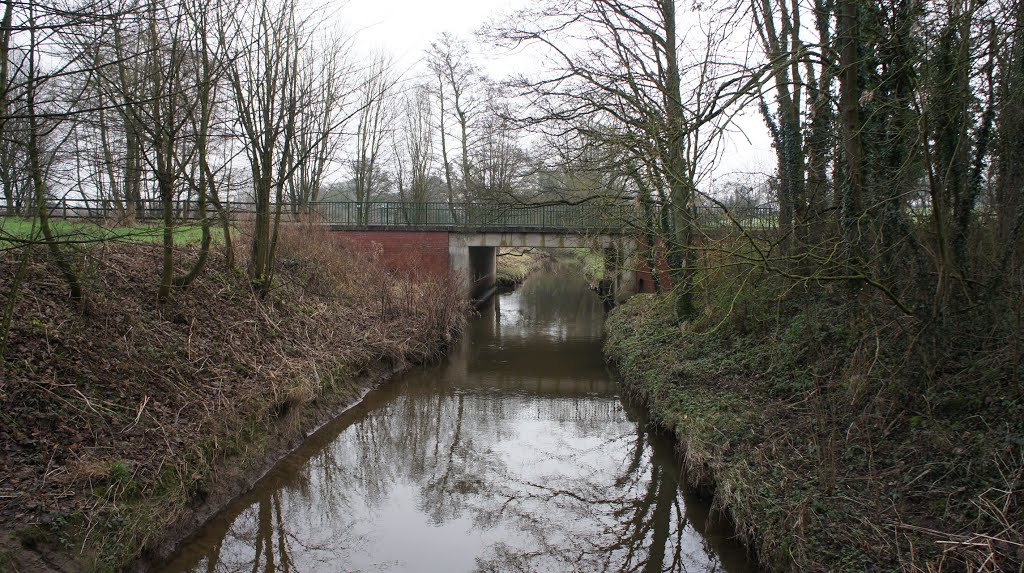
[(516, 454)]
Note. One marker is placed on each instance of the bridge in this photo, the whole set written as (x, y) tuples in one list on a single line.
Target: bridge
[(462, 239)]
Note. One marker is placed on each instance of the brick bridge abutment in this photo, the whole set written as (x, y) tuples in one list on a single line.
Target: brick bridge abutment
[(471, 256)]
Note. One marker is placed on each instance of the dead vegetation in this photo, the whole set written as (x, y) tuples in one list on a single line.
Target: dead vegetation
[(114, 420)]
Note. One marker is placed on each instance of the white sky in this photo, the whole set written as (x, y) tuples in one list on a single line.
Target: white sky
[(405, 28)]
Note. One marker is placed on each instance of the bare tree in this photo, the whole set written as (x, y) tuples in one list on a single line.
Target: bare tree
[(324, 78), (208, 73), (42, 114), (264, 44), (165, 117), (415, 152), (618, 80), (500, 162), (377, 114), (116, 107), (456, 78)]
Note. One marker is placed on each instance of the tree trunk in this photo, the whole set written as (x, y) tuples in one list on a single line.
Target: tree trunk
[(167, 268), (852, 193), (679, 181)]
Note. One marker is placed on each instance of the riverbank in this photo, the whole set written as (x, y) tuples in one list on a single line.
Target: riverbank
[(808, 434), (514, 453), (515, 264), (123, 424)]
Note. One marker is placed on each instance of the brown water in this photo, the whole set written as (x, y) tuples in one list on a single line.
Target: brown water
[(515, 454)]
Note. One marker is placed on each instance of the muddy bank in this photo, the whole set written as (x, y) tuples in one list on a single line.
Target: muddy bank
[(124, 425), (227, 482), (282, 437)]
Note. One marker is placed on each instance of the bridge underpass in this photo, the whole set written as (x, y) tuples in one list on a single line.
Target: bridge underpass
[(474, 255)]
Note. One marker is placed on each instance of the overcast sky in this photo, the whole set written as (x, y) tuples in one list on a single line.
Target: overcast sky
[(405, 28)]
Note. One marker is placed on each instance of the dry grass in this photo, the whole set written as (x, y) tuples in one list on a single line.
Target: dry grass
[(112, 421)]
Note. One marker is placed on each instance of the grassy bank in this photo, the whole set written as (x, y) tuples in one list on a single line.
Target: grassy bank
[(514, 265), (124, 423), (830, 446), (590, 261)]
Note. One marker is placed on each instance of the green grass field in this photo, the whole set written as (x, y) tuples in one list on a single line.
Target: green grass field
[(16, 229)]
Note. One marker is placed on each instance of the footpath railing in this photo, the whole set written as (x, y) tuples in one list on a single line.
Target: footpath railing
[(581, 217), (483, 216)]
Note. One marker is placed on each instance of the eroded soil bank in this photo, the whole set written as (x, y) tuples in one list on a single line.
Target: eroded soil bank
[(826, 459), (124, 425)]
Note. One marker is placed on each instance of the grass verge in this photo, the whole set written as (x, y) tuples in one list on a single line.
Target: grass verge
[(16, 229), (589, 260)]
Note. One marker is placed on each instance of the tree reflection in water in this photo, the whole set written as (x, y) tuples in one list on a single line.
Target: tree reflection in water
[(515, 455)]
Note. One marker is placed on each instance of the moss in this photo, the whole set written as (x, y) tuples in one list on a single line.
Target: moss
[(8, 562), (34, 535)]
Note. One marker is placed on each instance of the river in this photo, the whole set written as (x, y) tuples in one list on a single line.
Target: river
[(516, 453)]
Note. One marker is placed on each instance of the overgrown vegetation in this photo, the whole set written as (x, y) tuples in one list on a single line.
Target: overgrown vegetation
[(844, 357), (116, 421), (833, 438), (515, 264), (842, 346), (591, 262)]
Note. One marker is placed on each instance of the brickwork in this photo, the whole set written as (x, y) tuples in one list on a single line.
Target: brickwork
[(645, 280), (417, 251)]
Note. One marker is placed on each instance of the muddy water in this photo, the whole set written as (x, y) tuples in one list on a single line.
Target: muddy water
[(515, 454)]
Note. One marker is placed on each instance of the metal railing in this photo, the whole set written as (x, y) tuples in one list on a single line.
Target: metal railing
[(582, 217), (714, 218)]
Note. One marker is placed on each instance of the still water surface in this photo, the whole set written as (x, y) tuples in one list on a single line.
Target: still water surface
[(517, 453)]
